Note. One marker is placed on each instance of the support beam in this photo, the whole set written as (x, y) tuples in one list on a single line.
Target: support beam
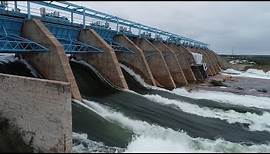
[(173, 64), (156, 63), (54, 64), (135, 60), (186, 60), (106, 62)]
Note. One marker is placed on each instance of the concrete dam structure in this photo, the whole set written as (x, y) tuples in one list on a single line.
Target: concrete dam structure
[(48, 40)]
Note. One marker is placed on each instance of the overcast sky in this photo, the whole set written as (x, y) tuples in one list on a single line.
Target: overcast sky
[(241, 26)]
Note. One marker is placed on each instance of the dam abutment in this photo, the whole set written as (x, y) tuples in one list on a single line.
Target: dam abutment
[(40, 109), (186, 61), (172, 63), (156, 63), (106, 62), (54, 64), (136, 59)]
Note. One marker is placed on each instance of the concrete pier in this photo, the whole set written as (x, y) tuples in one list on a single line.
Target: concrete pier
[(105, 62), (222, 63), (205, 59), (136, 61), (172, 63), (53, 65), (212, 62), (156, 63), (215, 60), (185, 60), (40, 110)]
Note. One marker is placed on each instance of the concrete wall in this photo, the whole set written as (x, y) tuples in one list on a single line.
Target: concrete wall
[(53, 65), (135, 60), (41, 109), (185, 60), (156, 63), (205, 59), (222, 63), (172, 63), (106, 63), (213, 56), (211, 59), (199, 73)]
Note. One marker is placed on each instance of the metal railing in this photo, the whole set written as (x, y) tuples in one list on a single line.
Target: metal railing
[(84, 16)]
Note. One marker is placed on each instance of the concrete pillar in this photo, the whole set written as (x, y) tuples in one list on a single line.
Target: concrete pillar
[(156, 63), (172, 63), (135, 60), (105, 62), (208, 58), (223, 64), (185, 60), (213, 56), (205, 59), (211, 60), (40, 110), (53, 65), (198, 72)]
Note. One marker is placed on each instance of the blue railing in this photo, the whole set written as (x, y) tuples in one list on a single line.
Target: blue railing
[(84, 16)]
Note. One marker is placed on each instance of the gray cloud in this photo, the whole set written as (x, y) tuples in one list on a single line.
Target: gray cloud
[(243, 26)]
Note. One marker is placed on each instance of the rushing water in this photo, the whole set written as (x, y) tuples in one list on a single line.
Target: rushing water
[(166, 121), (251, 73), (151, 119)]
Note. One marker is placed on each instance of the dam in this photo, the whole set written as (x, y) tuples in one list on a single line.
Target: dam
[(76, 54)]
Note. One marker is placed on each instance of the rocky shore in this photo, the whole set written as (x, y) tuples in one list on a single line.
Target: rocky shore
[(237, 85)]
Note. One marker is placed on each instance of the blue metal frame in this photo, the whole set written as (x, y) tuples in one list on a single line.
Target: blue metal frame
[(118, 47), (108, 35), (73, 46), (86, 12), (67, 36), (17, 44), (12, 42)]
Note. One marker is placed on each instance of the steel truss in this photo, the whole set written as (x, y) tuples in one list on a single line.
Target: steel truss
[(17, 44), (73, 46)]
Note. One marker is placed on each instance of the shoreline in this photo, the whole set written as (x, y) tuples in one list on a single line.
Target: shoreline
[(237, 85)]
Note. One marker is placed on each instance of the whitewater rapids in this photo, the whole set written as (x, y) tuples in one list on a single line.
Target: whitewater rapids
[(153, 138)]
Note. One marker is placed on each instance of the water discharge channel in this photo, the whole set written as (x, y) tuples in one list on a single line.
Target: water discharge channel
[(150, 119)]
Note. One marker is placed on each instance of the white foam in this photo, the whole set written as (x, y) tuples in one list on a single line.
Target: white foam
[(238, 61), (231, 71), (136, 76), (226, 97), (31, 68), (153, 138), (139, 79), (4, 59), (197, 57), (251, 73), (257, 122), (84, 145)]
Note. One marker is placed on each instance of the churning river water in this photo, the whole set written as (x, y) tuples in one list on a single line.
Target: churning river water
[(151, 119)]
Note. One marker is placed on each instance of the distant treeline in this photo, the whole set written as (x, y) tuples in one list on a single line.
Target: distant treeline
[(258, 59)]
